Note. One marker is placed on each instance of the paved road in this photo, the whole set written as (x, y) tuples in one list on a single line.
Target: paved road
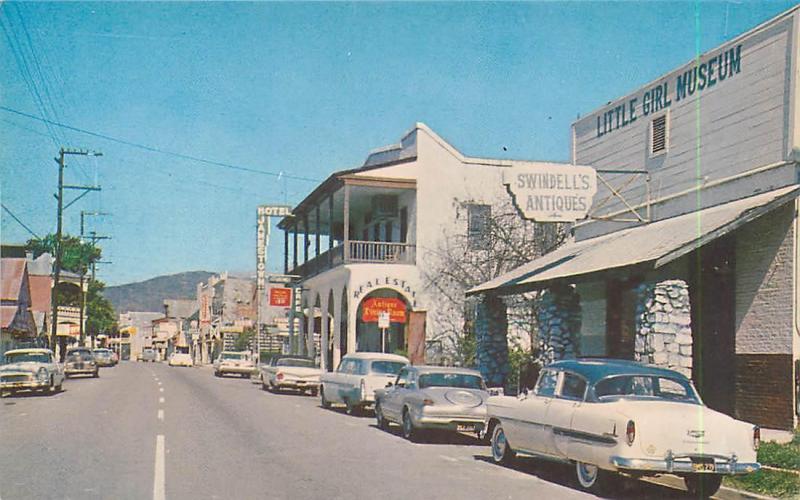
[(146, 431)]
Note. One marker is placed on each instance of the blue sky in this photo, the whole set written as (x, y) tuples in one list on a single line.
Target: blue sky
[(299, 88)]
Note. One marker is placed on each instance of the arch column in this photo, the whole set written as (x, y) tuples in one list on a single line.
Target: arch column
[(324, 333)]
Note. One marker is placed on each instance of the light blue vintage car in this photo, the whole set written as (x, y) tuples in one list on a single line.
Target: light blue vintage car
[(433, 397)]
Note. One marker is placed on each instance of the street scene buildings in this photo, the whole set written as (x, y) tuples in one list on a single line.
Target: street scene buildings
[(558, 328)]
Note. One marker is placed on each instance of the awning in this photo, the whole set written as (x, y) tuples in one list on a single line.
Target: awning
[(652, 245)]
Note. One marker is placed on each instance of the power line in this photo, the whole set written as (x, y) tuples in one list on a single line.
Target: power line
[(20, 222), (158, 150)]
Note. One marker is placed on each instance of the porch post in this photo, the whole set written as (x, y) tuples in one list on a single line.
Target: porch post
[(346, 223), (305, 238), (330, 230), (316, 241), (286, 251), (294, 245)]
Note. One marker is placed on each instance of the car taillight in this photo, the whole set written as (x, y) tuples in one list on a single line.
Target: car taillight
[(630, 432), (363, 390), (427, 401), (756, 437), (279, 376)]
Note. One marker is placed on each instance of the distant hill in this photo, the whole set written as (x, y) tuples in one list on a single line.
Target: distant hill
[(149, 295)]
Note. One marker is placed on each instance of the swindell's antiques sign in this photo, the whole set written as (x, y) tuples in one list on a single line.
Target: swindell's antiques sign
[(552, 193)]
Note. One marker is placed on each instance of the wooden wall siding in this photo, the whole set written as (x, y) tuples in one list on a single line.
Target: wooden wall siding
[(743, 124)]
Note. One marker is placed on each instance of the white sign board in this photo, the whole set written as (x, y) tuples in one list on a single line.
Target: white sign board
[(383, 319), (551, 192)]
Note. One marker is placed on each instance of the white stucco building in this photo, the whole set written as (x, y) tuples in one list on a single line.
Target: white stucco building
[(361, 240)]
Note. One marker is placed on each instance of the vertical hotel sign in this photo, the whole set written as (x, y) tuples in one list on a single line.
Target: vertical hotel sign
[(265, 213)]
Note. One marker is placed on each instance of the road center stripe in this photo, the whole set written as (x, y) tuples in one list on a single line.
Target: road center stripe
[(161, 414), (159, 475), (161, 399), (160, 389)]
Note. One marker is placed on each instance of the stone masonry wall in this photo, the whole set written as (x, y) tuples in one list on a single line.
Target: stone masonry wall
[(491, 332), (663, 325), (559, 321)]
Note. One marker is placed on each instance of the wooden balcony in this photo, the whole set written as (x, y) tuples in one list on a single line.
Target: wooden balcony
[(359, 252)]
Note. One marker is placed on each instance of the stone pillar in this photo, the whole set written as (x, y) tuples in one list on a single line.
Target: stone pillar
[(491, 330), (663, 325), (559, 321)]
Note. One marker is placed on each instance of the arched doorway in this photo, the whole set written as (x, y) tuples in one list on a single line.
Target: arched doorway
[(369, 337)]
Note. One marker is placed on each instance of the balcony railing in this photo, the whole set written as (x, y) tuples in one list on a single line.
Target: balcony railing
[(371, 252)]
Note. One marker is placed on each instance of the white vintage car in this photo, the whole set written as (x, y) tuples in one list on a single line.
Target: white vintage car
[(290, 372), (30, 369), (359, 374), (235, 362), (433, 397), (180, 359), (608, 416)]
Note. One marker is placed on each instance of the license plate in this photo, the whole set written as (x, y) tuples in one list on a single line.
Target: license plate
[(465, 427), (709, 466)]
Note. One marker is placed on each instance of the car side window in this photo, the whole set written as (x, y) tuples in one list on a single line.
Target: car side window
[(572, 387), (547, 383), (402, 378)]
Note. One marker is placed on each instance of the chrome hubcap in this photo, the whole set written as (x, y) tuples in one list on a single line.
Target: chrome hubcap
[(499, 444), (587, 474)]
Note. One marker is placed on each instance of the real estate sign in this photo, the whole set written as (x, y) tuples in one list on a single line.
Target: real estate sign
[(550, 192)]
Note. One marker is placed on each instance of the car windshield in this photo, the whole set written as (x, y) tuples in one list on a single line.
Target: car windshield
[(461, 380), (387, 367), (645, 387), (86, 355), (299, 362), (22, 357), (234, 355)]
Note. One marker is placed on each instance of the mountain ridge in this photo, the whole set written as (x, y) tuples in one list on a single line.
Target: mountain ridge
[(149, 295)]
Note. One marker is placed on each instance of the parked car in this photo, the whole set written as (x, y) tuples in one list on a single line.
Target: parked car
[(114, 357), (358, 375), (235, 362), (433, 397), (180, 359), (30, 369), (291, 372), (608, 416), (80, 361), (103, 357), (147, 354)]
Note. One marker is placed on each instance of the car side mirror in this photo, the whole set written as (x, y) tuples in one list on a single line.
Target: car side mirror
[(389, 384)]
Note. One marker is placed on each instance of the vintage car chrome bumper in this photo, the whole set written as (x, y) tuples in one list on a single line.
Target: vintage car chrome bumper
[(236, 369), (87, 369), (297, 384), (22, 381), (675, 465), (454, 422)]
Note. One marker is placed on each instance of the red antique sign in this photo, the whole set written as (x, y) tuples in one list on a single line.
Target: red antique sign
[(371, 308), (280, 297)]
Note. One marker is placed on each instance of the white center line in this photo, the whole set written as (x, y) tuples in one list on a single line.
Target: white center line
[(160, 389), (161, 414), (159, 475), (159, 383), (449, 459), (161, 399)]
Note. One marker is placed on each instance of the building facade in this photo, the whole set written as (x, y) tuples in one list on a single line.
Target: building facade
[(689, 257), (362, 242)]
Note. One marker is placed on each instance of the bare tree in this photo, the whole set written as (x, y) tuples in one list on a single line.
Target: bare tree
[(485, 243)]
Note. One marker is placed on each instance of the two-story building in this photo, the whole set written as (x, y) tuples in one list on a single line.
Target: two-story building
[(689, 258), (362, 240)]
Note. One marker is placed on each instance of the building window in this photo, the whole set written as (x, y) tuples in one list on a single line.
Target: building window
[(403, 224), (659, 135), (376, 232), (389, 230), (478, 224), (365, 234)]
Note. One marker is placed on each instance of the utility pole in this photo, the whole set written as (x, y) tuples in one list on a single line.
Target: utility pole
[(62, 153), (83, 274)]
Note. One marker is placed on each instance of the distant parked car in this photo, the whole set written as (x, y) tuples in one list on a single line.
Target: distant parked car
[(608, 416), (80, 361), (147, 354), (114, 357), (180, 359), (433, 397), (290, 372), (30, 369), (235, 362), (103, 357), (354, 382)]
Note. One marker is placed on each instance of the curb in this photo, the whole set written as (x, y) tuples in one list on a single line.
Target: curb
[(745, 493)]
